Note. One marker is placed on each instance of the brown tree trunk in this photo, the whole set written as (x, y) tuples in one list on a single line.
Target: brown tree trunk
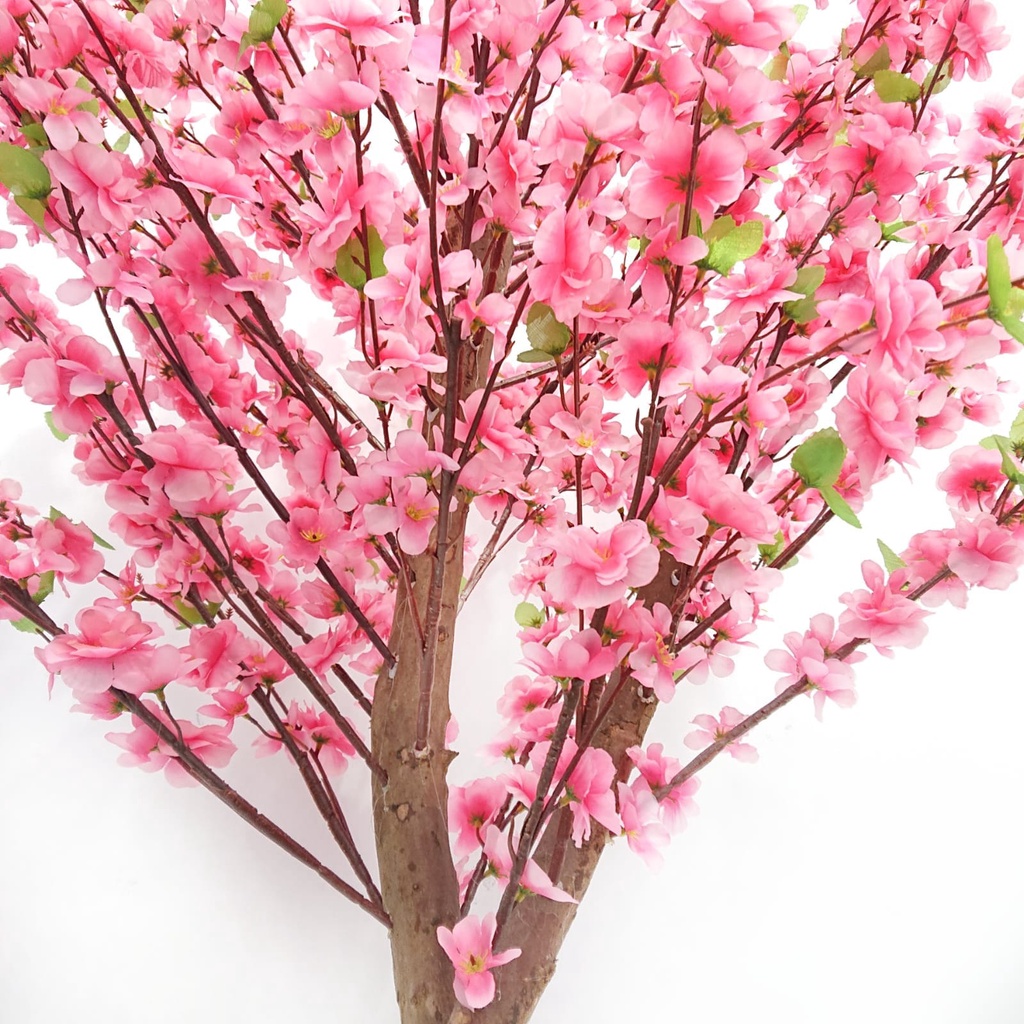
[(410, 811), (417, 876)]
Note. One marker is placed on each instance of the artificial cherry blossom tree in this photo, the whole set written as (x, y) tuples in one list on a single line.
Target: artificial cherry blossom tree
[(648, 295)]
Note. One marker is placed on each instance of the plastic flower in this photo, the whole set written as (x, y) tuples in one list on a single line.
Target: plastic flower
[(469, 947)]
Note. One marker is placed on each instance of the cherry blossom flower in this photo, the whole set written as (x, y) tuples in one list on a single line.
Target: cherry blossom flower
[(711, 729), (592, 569), (469, 946)]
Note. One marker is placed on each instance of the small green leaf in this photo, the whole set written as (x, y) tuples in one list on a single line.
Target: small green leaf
[(191, 614), (769, 552), (878, 61), (1017, 429), (800, 12), (25, 626), (725, 251), (839, 506), (121, 145), (892, 87), (942, 76), (1012, 325), (350, 263), (45, 587), (35, 208), (998, 270), (535, 356), (23, 172), (1009, 466), (808, 280), (265, 18), (59, 434), (545, 331), (100, 542), (719, 229), (819, 460), (890, 558), (891, 231), (777, 67), (35, 134), (529, 616)]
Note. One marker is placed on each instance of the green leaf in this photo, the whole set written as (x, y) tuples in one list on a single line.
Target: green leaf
[(725, 251), (839, 506), (890, 558), (25, 626), (350, 263), (808, 280), (545, 331), (534, 356), (265, 18), (1009, 466), (35, 133), (819, 460), (800, 12), (263, 22), (878, 61), (45, 588), (59, 434), (121, 145), (35, 208), (769, 552), (777, 67), (529, 616), (891, 231), (942, 76), (1017, 429), (998, 270), (191, 614), (23, 172), (719, 229), (100, 542), (1012, 325), (892, 87)]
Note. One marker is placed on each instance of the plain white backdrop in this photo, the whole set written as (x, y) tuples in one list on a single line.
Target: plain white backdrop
[(867, 868)]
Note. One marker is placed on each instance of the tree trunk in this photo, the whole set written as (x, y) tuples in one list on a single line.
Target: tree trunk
[(410, 811), (417, 875), (539, 926)]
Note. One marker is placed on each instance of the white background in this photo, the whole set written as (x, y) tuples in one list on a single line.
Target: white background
[(866, 869)]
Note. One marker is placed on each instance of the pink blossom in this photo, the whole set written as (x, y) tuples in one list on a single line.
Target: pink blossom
[(469, 946), (588, 792), (986, 555), (471, 808), (110, 649), (594, 569), (144, 749), (811, 655), (217, 652), (711, 729), (662, 180), (974, 478), (569, 262), (877, 421), (657, 769), (571, 656), (533, 879), (191, 468), (881, 613), (641, 821)]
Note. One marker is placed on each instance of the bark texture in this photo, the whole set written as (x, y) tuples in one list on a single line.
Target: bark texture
[(539, 926), (417, 877)]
